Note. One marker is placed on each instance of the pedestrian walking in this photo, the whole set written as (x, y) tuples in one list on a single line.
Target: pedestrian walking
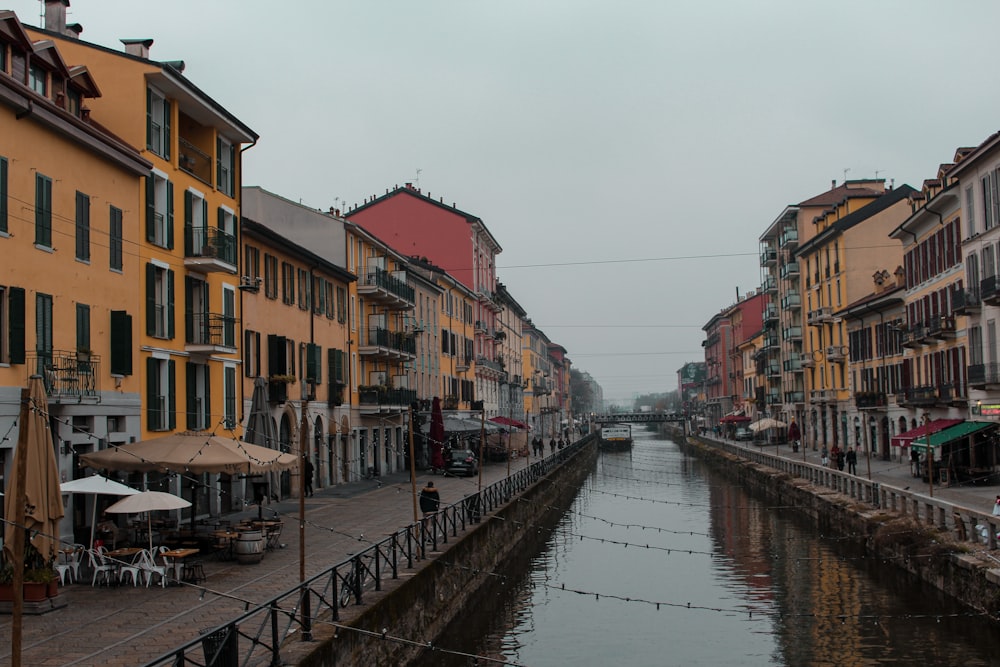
[(852, 461), (825, 456), (996, 507), (430, 499), (841, 458), (308, 471), (552, 446)]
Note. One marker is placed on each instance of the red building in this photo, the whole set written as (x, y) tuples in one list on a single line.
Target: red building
[(414, 224)]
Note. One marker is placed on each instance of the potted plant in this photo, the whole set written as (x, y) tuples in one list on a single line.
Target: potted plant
[(281, 378), (40, 583)]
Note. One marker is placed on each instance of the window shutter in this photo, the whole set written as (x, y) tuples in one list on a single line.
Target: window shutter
[(204, 224), (192, 396), (206, 417), (149, 119), (16, 325), (40, 210), (218, 164), (170, 303), (188, 224), (121, 343), (166, 129), (314, 366), (276, 364), (172, 394), (232, 171), (3, 194), (150, 300), (229, 312), (154, 420), (170, 215), (247, 353), (189, 287), (150, 209)]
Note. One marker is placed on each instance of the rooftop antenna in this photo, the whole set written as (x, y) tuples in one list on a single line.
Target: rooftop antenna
[(846, 169), (876, 173), (417, 179)]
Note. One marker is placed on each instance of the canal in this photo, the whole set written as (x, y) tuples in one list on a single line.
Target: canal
[(660, 561)]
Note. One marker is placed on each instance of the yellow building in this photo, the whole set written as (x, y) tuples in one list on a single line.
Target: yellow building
[(70, 196), (510, 344), (850, 244), (539, 400)]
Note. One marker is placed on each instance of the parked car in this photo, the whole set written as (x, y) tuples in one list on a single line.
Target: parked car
[(463, 462), (744, 434)]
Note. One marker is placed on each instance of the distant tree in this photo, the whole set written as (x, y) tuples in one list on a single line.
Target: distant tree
[(580, 393)]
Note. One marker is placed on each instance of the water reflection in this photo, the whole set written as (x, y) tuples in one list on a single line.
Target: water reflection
[(660, 561)]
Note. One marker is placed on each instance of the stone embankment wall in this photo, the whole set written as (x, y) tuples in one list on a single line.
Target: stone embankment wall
[(967, 574), (435, 594)]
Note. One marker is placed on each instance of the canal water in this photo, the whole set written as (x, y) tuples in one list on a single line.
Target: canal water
[(660, 561)]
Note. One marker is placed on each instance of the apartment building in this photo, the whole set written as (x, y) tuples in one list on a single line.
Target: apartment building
[(510, 323)]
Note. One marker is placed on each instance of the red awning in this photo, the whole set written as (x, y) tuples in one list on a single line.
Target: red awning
[(507, 421), (904, 439), (734, 419)]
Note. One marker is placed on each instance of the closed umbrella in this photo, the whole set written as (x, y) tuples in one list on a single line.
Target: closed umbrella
[(260, 431), (148, 502), (95, 485)]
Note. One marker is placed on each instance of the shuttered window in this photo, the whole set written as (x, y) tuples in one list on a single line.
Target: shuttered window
[(82, 327), (82, 227), (115, 238), (3, 195), (121, 343), (43, 210), (15, 320)]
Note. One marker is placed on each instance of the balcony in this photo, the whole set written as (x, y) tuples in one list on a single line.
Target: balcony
[(965, 301), (791, 333), (490, 368), (915, 336), (768, 257), (462, 363), (194, 161), (773, 369), (773, 398), (770, 284), (791, 301), (67, 375), (488, 299), (770, 341), (770, 313), (820, 316), (867, 400), (981, 375), (836, 353), (789, 270), (210, 250), (807, 361), (793, 364), (924, 395), (989, 289), (942, 327), (795, 397), (821, 396), (384, 288), (375, 399), (481, 327), (789, 239), (210, 333), (388, 345)]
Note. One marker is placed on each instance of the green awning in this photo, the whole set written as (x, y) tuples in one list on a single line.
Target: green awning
[(951, 433)]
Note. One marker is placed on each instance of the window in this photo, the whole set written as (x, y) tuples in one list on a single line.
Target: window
[(115, 238), (251, 262), (82, 227), (270, 276), (225, 163), (73, 101), (224, 241), (229, 393), (12, 322), (287, 283), (121, 343), (3, 195), (157, 123), (229, 317), (341, 304), (196, 240), (314, 363), (159, 211), (159, 301), (161, 390), (328, 298), (197, 320), (43, 211), (251, 353), (199, 397), (304, 289), (38, 80), (82, 327), (43, 330)]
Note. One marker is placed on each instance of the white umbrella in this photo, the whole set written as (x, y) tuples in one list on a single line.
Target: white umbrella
[(766, 423), (149, 502), (95, 485)]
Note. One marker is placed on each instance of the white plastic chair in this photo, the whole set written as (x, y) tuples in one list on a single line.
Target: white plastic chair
[(131, 570), (102, 568), (150, 567), (65, 568)]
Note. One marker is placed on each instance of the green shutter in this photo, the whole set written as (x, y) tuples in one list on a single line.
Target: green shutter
[(166, 129), (188, 225), (275, 355), (339, 360), (153, 417), (170, 303), (229, 324), (150, 300), (172, 394), (170, 215), (232, 171), (39, 209), (149, 119), (121, 342), (192, 395), (189, 286), (16, 325), (207, 412), (314, 366), (150, 209), (3, 194), (218, 162), (204, 226)]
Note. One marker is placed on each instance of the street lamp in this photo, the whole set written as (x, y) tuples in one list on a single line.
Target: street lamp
[(871, 431)]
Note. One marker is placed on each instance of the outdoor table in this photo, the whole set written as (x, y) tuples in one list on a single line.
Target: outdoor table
[(176, 557), (230, 536), (123, 556)]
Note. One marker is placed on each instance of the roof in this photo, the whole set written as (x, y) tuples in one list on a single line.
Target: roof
[(951, 433), (874, 302), (263, 232), (846, 190), (848, 221), (903, 439), (968, 157)]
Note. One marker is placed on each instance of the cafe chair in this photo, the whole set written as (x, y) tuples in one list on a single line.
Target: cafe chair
[(150, 567), (102, 567), (273, 535), (131, 570), (69, 569)]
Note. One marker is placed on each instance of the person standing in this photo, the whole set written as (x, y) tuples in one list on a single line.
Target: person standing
[(430, 499), (996, 507), (307, 478), (552, 446), (825, 456), (840, 458), (852, 461)]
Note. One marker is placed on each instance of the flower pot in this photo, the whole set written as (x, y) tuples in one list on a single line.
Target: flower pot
[(35, 592)]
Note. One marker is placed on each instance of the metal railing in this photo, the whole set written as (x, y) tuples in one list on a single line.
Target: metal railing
[(384, 280), (266, 628), (194, 161), (66, 374)]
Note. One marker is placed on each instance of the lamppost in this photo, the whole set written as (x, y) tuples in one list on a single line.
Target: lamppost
[(871, 430)]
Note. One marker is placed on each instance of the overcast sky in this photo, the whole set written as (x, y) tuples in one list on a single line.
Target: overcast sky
[(626, 155)]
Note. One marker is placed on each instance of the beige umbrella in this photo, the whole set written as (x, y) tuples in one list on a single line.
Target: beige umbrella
[(195, 452), (148, 502), (766, 423), (38, 485)]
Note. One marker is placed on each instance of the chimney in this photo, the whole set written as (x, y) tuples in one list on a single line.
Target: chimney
[(137, 47), (55, 15), (73, 30), (833, 183)]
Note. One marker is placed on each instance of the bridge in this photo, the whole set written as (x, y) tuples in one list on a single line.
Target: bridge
[(638, 417)]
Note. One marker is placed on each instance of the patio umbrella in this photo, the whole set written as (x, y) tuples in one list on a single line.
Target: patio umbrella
[(95, 485), (34, 482), (260, 431), (437, 435), (148, 502), (766, 423)]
